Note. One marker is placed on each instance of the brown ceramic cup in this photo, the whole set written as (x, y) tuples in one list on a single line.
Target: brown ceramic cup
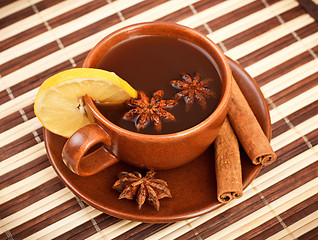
[(155, 152)]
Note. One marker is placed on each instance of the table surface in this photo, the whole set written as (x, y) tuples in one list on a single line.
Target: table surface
[(275, 41)]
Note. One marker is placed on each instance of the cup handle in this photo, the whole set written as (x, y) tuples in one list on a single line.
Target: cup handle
[(78, 145)]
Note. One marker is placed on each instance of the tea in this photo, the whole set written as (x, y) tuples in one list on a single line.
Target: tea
[(150, 63)]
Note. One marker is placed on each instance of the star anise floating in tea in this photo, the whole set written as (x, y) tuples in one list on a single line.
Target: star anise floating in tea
[(143, 189), (147, 110), (195, 89)]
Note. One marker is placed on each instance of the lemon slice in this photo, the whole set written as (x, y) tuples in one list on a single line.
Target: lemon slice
[(59, 105)]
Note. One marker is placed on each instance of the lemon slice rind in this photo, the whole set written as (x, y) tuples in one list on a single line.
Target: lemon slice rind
[(58, 104)]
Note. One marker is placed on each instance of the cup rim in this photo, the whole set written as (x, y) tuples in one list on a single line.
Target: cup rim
[(221, 107)]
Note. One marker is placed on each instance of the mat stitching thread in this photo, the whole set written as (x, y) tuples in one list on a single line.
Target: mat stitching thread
[(269, 100), (280, 220), (72, 61), (206, 26), (119, 13), (290, 125), (49, 28), (11, 96)]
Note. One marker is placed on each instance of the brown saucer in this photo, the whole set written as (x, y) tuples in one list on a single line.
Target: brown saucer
[(193, 186)]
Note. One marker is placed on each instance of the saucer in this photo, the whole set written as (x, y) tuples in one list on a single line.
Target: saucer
[(193, 186)]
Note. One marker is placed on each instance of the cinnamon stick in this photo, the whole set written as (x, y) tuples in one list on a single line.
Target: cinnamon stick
[(228, 167), (248, 130)]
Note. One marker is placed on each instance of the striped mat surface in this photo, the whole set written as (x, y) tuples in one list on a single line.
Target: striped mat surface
[(275, 41)]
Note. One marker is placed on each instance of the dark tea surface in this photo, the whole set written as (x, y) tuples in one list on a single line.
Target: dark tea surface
[(150, 63)]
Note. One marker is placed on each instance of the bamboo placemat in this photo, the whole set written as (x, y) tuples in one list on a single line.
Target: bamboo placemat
[(275, 41)]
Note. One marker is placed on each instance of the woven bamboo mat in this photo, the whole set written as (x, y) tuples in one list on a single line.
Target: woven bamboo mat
[(275, 41)]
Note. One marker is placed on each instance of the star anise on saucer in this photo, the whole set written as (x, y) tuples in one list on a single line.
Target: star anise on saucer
[(195, 89), (145, 111), (143, 189)]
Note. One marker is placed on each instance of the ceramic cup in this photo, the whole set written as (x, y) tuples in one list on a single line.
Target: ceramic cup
[(154, 152)]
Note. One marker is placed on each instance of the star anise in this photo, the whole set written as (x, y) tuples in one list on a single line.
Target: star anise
[(195, 89), (145, 111), (134, 186)]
